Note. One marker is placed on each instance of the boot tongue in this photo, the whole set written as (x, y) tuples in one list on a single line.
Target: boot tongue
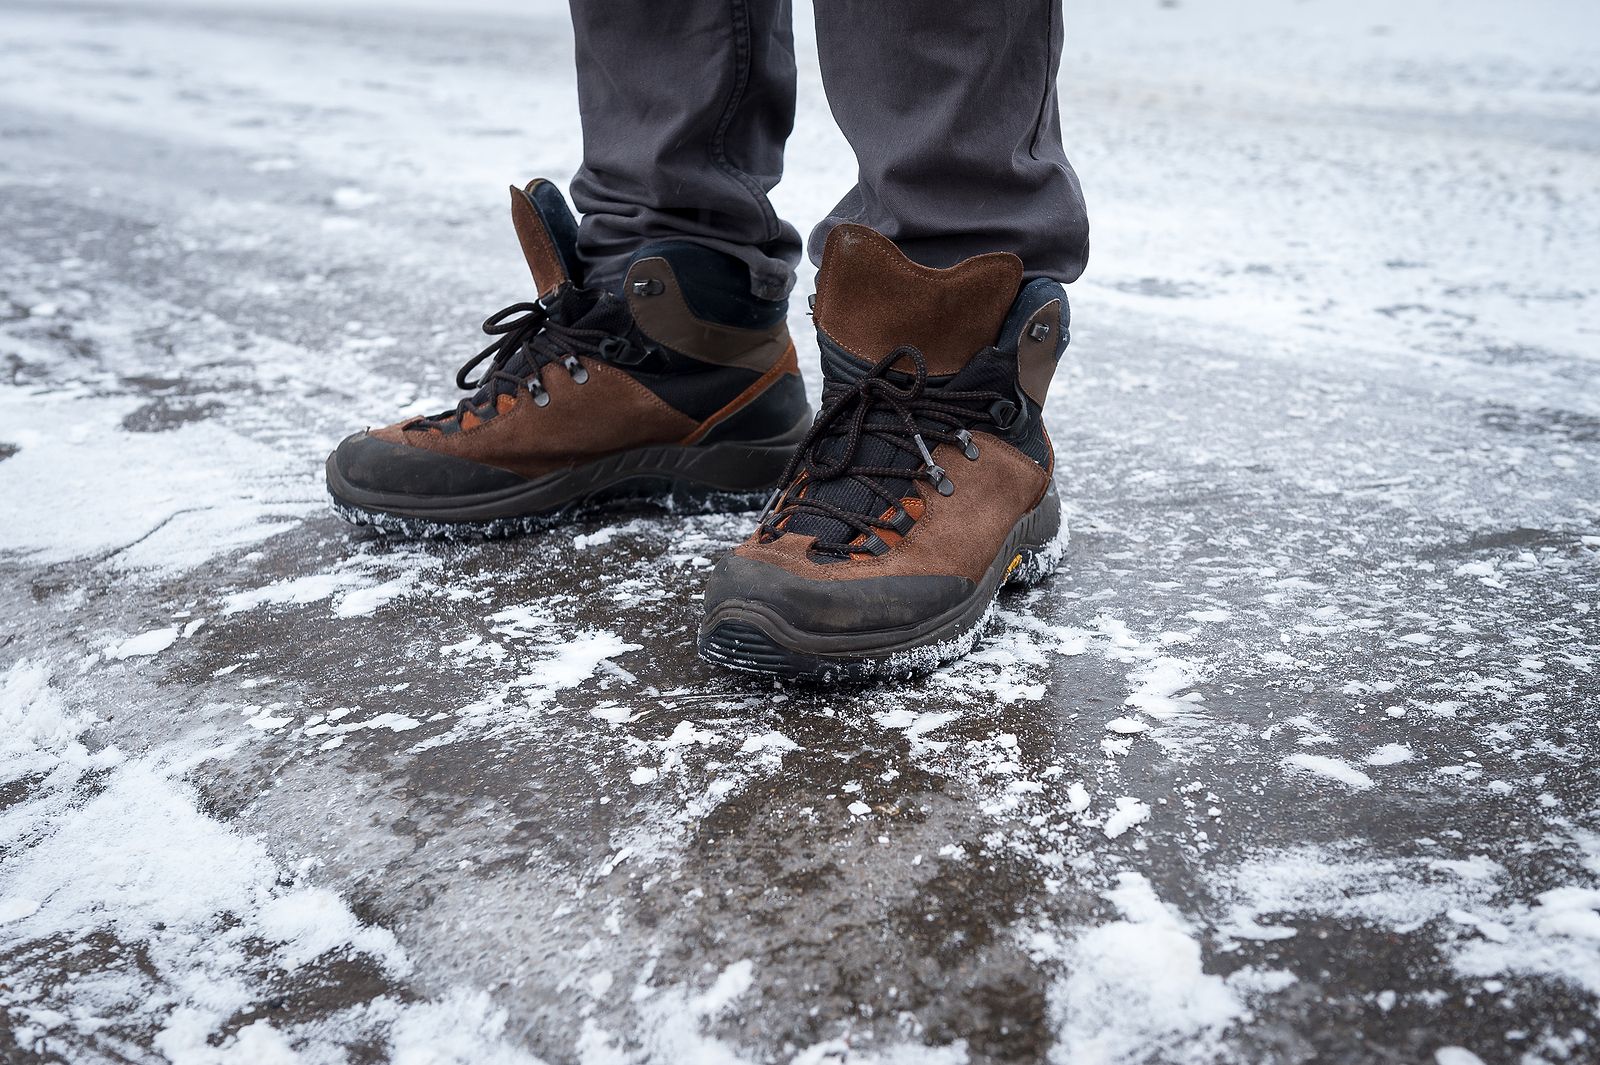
[(871, 299), (548, 234)]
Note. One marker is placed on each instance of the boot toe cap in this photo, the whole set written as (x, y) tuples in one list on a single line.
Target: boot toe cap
[(833, 605), (366, 463)]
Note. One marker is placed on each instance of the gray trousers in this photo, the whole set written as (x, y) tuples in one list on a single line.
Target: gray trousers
[(949, 105)]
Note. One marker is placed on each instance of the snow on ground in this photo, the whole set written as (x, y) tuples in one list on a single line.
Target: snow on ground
[(1136, 986), (1297, 749), (177, 927)]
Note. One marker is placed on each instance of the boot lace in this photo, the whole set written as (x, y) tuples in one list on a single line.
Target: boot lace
[(904, 416), (527, 329)]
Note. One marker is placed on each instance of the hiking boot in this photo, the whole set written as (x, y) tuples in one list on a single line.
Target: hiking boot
[(925, 483), (681, 387)]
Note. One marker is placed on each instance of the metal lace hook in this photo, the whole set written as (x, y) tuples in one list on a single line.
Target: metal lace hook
[(932, 470)]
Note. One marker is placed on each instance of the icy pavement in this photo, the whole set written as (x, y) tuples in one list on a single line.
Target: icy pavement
[(1294, 761)]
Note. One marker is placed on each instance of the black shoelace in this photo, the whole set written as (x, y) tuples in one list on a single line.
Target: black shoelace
[(906, 417), (527, 328)]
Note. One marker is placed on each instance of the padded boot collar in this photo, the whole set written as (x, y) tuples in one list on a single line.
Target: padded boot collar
[(548, 234)]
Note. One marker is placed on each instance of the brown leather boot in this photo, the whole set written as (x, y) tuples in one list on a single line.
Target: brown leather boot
[(683, 386), (923, 487)]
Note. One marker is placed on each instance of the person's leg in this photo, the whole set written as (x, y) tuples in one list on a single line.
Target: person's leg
[(951, 109), (657, 360), (685, 108), (927, 482)]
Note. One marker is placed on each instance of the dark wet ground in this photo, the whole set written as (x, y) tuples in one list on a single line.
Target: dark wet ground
[(1284, 544)]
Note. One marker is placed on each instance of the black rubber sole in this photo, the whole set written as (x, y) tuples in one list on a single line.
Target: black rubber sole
[(726, 476), (753, 637)]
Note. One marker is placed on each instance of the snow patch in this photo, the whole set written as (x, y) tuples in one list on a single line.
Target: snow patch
[(767, 741), (212, 918), (1557, 936), (1137, 986), (145, 644), (1328, 768), (914, 723), (135, 503), (296, 591), (1390, 754), (732, 982), (1129, 812), (363, 602), (568, 660), (1455, 1056), (37, 731), (1157, 685)]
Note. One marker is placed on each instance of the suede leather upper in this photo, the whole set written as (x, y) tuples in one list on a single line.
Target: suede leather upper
[(610, 412), (872, 299), (676, 377), (956, 535), (871, 302)]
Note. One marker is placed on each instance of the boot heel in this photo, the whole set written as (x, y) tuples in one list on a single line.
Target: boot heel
[(1045, 539)]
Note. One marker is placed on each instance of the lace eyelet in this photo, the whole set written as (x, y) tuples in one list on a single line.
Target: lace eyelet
[(575, 369), (968, 448), (1004, 413), (541, 398)]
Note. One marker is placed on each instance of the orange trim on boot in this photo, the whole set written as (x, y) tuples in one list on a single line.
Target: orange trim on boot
[(788, 362)]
